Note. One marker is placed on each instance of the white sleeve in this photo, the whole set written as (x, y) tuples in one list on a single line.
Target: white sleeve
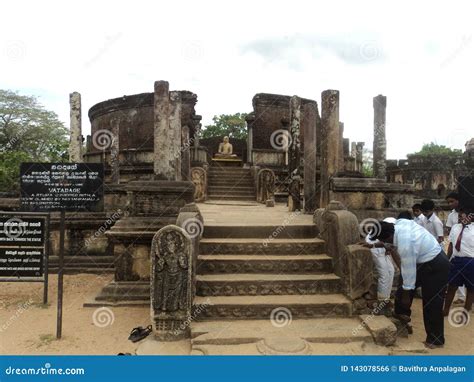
[(438, 226)]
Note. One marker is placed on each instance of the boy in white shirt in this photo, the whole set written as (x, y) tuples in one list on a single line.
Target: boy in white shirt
[(417, 214), (461, 248), (431, 222), (453, 217)]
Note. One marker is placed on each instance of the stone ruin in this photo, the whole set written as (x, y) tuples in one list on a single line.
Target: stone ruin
[(157, 169)]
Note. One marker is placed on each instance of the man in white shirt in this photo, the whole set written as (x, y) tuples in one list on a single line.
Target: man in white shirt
[(424, 264), (431, 222), (461, 251)]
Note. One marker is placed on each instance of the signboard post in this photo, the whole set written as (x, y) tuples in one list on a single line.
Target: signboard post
[(61, 187)]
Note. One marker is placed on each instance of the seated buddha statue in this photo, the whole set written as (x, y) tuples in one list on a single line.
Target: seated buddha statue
[(225, 149)]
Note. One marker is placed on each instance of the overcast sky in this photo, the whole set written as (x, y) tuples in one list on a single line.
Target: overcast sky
[(419, 54)]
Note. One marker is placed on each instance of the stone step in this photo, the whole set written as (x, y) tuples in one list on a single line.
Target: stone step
[(231, 197), (261, 307), (83, 264), (234, 246), (78, 270), (314, 264), (125, 291), (237, 188), (233, 182), (317, 330), (230, 191), (262, 231), (263, 284)]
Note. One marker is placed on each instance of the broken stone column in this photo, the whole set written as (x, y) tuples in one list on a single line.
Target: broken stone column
[(359, 156), (310, 112), (171, 283), (354, 155), (341, 149), (75, 140), (167, 133), (114, 162), (249, 142), (294, 149), (330, 141), (380, 143), (185, 154)]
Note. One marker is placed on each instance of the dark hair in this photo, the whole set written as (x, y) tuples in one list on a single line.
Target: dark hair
[(416, 206), (405, 215), (453, 195), (386, 229), (466, 209), (427, 204)]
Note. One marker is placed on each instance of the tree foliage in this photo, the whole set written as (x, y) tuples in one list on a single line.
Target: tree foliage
[(433, 149), (231, 125), (28, 132)]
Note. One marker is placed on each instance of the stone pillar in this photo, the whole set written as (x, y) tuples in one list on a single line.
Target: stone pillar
[(380, 143), (330, 139), (75, 140), (341, 149), (114, 151), (249, 142), (354, 154), (310, 111), (359, 155), (167, 133), (295, 119), (185, 154)]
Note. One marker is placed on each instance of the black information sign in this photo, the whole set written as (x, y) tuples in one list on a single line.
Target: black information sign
[(23, 245), (61, 186)]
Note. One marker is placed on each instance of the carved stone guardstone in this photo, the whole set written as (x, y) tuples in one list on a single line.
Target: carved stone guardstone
[(171, 283), (265, 185), (199, 178)]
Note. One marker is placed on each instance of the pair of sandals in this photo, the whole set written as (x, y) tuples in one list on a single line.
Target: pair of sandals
[(139, 333)]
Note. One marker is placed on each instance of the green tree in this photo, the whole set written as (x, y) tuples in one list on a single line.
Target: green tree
[(232, 125), (432, 149), (28, 132)]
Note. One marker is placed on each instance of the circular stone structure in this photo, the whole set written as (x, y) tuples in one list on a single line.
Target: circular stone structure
[(135, 119)]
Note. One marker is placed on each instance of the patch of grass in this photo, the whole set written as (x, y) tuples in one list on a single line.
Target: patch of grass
[(45, 339)]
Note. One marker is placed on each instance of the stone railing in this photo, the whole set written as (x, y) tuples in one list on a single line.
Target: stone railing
[(351, 262)]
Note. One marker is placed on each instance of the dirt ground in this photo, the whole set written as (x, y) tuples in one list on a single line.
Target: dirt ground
[(28, 327)]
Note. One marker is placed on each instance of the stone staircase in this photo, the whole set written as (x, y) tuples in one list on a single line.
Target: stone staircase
[(83, 264), (230, 183), (242, 274)]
